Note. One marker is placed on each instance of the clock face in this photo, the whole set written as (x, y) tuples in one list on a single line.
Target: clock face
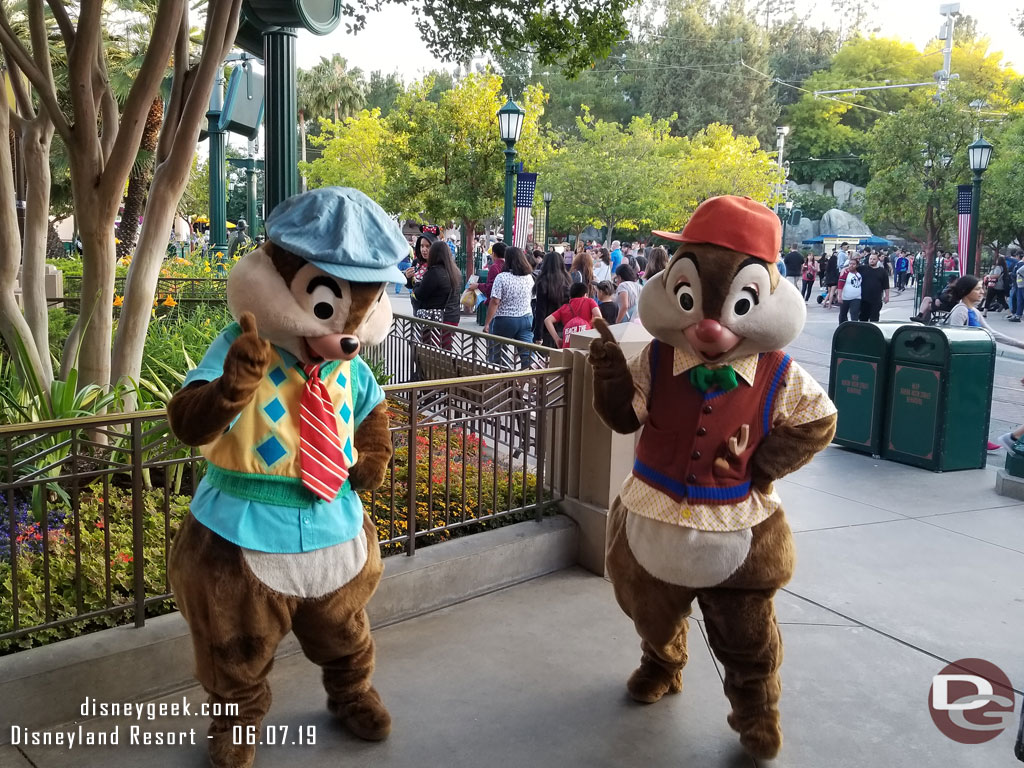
[(319, 16)]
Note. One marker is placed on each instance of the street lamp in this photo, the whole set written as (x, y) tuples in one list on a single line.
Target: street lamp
[(978, 154), (785, 221), (547, 215), (510, 125), (781, 131)]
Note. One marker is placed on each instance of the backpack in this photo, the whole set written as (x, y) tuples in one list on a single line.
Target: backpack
[(575, 324)]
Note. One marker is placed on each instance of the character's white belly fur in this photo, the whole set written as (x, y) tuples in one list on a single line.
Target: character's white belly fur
[(686, 556), (309, 574)]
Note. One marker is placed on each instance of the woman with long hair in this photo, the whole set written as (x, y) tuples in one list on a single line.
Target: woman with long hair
[(437, 294), (995, 298), (582, 271), (418, 268), (508, 310), (552, 292), (627, 295), (656, 263), (603, 265)]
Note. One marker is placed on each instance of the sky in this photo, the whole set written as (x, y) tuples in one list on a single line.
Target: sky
[(390, 42)]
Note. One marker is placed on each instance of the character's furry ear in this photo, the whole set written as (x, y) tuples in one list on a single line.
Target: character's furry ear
[(286, 262)]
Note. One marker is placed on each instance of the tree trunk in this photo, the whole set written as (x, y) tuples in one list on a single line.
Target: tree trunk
[(35, 143), (138, 183), (931, 235), (469, 239), (13, 327)]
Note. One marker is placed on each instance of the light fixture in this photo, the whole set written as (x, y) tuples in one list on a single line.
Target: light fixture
[(979, 153), (547, 197), (510, 122)]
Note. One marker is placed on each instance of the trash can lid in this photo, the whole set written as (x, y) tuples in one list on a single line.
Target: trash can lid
[(934, 344)]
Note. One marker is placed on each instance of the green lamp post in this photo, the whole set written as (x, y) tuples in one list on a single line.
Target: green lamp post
[(268, 28), (979, 154), (510, 126)]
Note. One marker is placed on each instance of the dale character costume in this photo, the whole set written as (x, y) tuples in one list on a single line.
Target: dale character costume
[(724, 413)]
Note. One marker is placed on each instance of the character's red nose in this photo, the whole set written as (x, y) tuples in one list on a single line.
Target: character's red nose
[(709, 331)]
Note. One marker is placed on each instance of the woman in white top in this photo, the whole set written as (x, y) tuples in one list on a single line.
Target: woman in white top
[(603, 266), (627, 295), (970, 291), (508, 312)]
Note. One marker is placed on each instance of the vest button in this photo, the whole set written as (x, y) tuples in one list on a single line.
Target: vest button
[(695, 455), (691, 478), (702, 431), (708, 409)]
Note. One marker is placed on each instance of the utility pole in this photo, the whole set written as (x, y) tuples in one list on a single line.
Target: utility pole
[(950, 11)]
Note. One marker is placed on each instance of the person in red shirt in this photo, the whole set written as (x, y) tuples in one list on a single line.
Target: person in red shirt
[(578, 315), (496, 268)]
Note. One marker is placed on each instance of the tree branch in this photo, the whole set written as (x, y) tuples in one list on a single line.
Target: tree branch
[(67, 29), (81, 62), (140, 98), (108, 106), (21, 94), (178, 91), (15, 51)]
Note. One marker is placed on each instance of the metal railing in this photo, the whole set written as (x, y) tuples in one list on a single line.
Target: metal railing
[(88, 507), (184, 290)]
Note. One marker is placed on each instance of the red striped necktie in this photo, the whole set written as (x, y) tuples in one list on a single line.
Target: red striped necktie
[(323, 463)]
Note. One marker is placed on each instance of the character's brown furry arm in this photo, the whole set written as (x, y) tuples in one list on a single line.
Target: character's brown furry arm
[(204, 409), (613, 383), (786, 449), (373, 444)]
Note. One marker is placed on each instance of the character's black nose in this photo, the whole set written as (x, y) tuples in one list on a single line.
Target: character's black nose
[(349, 345)]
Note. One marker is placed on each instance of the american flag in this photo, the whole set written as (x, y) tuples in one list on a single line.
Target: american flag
[(963, 210), (526, 184)]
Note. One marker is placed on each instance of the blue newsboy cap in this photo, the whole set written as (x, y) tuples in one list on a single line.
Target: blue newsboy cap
[(341, 231)]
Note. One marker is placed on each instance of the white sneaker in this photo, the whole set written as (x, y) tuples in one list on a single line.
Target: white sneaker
[(1006, 441)]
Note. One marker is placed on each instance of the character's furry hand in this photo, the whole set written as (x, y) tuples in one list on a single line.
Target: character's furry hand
[(606, 356), (246, 361), (367, 473)]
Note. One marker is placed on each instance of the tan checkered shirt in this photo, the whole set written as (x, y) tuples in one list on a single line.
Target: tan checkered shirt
[(800, 401)]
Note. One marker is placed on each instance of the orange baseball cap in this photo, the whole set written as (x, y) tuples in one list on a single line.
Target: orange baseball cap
[(737, 223)]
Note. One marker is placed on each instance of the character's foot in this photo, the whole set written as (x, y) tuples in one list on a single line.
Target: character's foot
[(760, 735), (649, 683), (224, 753), (364, 715)]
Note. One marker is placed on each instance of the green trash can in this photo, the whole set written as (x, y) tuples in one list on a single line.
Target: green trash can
[(940, 397), (481, 311), (857, 383)]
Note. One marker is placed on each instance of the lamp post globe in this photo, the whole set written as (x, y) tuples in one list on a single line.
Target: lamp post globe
[(510, 127), (979, 153)]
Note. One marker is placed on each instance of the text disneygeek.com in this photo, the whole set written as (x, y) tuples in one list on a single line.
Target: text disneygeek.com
[(93, 734)]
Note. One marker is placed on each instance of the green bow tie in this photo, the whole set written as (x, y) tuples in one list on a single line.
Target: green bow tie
[(704, 378)]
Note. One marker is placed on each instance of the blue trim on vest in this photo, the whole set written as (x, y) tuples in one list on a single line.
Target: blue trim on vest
[(769, 403), (697, 493)]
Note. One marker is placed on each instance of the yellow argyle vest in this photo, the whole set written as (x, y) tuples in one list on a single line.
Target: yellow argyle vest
[(264, 438)]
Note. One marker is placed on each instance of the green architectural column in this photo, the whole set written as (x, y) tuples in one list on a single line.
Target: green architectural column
[(510, 177), (218, 171), (281, 116)]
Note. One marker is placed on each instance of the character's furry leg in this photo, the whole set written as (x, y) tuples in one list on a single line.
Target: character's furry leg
[(335, 633), (659, 612), (236, 625), (744, 636)]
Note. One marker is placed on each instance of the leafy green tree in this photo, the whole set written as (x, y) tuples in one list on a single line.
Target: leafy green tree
[(382, 91), (352, 155), (445, 161), (1002, 204), (698, 73), (917, 158), (797, 51)]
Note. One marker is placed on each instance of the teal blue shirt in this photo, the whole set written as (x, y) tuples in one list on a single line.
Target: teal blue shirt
[(273, 527)]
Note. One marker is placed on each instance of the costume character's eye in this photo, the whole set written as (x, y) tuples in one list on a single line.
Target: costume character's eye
[(684, 295), (323, 292), (745, 304)]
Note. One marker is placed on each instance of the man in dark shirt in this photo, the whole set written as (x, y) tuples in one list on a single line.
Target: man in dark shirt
[(794, 261), (874, 289)]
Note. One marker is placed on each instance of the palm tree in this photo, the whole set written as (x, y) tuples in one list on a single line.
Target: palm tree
[(342, 87)]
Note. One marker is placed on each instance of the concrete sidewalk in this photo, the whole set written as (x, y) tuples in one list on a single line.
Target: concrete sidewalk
[(900, 571)]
